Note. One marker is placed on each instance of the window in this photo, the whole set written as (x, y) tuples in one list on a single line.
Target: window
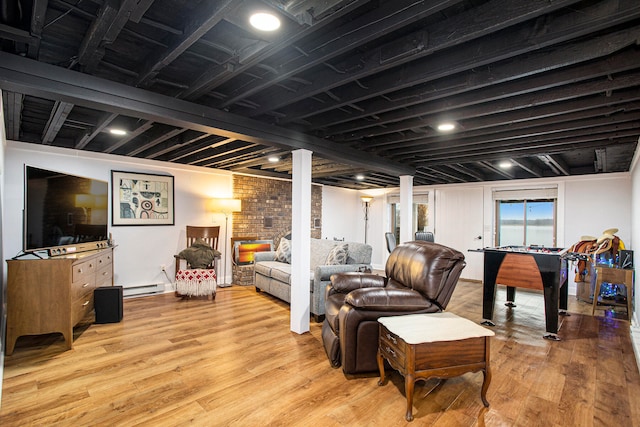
[(526, 220), (420, 215)]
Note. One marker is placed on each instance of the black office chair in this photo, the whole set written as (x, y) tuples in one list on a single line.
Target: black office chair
[(424, 235), (391, 241)]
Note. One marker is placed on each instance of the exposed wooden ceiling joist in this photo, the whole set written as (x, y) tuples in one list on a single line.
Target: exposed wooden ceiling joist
[(40, 79), (551, 86)]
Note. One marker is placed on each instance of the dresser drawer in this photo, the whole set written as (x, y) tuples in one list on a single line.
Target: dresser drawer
[(84, 270), (392, 346), (104, 277), (81, 307), (82, 287), (104, 260)]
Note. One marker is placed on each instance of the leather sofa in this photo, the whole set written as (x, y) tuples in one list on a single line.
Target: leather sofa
[(420, 278)]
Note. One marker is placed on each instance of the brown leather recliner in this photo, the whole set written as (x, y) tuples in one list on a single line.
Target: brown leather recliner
[(420, 278)]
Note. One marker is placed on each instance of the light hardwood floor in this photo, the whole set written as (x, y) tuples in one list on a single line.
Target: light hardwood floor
[(234, 362)]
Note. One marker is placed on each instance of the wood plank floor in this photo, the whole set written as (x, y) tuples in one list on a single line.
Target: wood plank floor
[(234, 362)]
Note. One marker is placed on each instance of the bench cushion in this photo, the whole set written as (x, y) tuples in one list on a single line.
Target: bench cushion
[(433, 327)]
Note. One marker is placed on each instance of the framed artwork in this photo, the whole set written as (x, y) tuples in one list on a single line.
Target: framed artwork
[(244, 250), (141, 199)]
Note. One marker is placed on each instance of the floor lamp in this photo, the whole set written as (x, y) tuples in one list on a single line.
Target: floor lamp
[(226, 207), (366, 200)]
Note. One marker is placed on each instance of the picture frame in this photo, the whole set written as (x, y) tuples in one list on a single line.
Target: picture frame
[(141, 199), (244, 250)]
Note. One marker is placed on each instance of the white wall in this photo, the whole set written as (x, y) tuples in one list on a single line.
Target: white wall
[(3, 283), (635, 236), (342, 215), (459, 221), (595, 204), (586, 204), (140, 249)]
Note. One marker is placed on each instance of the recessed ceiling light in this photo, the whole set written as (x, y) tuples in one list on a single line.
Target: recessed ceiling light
[(274, 159), (360, 177), (446, 127), (505, 164), (264, 21), (119, 132)]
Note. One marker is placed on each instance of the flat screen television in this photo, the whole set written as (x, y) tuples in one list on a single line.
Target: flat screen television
[(63, 213)]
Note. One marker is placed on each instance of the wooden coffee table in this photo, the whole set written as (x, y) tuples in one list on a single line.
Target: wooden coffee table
[(440, 345)]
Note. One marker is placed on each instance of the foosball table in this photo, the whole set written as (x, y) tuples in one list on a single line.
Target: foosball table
[(537, 268)]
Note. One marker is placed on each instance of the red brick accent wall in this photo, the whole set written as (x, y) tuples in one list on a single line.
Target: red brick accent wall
[(264, 198)]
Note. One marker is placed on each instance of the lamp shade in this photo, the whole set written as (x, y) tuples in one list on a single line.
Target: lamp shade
[(225, 206), (366, 199)]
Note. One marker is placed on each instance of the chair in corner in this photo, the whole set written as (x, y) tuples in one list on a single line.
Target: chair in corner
[(427, 236), (196, 265)]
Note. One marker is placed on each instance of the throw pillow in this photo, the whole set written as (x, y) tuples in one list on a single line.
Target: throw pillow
[(283, 254), (338, 255)]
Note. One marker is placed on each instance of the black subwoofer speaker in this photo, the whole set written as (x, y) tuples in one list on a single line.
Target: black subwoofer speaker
[(107, 301)]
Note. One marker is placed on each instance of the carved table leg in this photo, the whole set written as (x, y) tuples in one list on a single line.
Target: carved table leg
[(380, 367), (485, 386), (409, 383), (486, 372)]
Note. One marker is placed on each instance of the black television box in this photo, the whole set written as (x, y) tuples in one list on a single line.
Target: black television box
[(107, 301)]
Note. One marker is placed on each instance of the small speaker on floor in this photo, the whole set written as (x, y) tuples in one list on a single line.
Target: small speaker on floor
[(107, 301)]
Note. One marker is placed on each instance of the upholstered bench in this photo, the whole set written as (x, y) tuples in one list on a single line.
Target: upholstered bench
[(440, 345)]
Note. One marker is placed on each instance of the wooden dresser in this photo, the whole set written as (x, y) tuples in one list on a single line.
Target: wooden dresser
[(54, 294)]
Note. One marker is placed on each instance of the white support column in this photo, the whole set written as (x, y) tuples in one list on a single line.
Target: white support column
[(300, 241), (406, 208)]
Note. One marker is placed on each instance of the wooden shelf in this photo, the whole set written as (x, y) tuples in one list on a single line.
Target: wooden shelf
[(616, 276)]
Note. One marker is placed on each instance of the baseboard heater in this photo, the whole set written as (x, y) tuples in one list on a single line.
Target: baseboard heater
[(141, 290)]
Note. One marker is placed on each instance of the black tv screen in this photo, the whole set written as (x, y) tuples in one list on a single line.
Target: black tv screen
[(63, 210)]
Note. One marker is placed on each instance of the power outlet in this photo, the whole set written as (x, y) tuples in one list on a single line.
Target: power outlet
[(163, 267)]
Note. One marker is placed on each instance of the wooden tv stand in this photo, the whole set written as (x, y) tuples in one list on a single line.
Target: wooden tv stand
[(54, 294)]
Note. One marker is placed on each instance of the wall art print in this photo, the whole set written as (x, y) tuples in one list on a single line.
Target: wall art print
[(141, 199)]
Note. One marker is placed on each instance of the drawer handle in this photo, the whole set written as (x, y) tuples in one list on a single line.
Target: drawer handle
[(86, 303), (85, 285), (104, 273), (392, 338), (80, 270), (391, 352)]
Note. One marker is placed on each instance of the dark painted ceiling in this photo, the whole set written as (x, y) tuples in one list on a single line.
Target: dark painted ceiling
[(553, 87)]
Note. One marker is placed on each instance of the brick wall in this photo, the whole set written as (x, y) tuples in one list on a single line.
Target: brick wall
[(266, 208), (266, 214), (242, 275)]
